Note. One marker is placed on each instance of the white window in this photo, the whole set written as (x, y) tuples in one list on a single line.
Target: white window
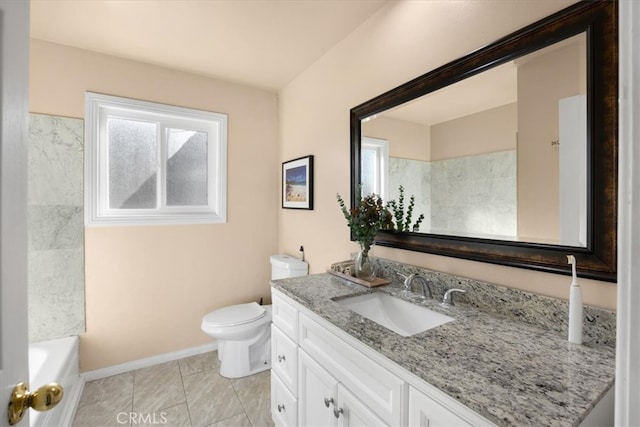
[(148, 163), (374, 161)]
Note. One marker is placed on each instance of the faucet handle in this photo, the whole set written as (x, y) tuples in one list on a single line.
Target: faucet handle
[(447, 300), (407, 280)]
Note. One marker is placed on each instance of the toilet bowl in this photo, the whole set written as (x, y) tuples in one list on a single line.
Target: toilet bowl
[(244, 338), (243, 331)]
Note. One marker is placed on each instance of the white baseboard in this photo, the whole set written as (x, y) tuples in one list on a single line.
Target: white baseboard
[(149, 361)]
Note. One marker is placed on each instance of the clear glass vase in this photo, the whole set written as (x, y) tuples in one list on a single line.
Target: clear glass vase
[(364, 265)]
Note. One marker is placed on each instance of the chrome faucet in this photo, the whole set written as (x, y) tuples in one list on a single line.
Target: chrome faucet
[(447, 299), (408, 284)]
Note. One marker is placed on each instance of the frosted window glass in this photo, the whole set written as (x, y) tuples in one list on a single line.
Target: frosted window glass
[(132, 164), (368, 166), (187, 168), (151, 163)]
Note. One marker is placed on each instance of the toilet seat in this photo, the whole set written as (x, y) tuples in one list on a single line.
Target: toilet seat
[(234, 315)]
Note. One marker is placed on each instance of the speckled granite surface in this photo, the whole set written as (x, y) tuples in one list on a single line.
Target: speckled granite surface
[(599, 325), (510, 372)]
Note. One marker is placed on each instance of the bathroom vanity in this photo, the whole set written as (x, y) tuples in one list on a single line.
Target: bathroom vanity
[(332, 366)]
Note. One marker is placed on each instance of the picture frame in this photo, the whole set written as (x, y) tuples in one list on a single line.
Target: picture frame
[(297, 183)]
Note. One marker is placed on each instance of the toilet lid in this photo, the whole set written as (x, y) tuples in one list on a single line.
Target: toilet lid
[(234, 315)]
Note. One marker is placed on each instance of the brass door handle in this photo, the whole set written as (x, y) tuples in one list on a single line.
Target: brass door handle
[(43, 399)]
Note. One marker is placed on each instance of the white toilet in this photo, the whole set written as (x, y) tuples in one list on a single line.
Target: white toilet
[(243, 331)]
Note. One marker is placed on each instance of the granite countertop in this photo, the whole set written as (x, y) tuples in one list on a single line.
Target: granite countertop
[(509, 372)]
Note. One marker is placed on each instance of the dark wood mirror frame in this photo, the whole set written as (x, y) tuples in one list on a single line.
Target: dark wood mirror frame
[(598, 259)]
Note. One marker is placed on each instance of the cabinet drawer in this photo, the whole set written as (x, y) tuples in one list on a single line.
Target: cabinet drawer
[(285, 317), (284, 407), (284, 358), (425, 411), (378, 388)]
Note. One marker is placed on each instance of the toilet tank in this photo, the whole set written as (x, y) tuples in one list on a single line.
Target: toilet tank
[(283, 266)]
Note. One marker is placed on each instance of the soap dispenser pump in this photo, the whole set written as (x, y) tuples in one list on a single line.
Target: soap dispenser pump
[(575, 306)]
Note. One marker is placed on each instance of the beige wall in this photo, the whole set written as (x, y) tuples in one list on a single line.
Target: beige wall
[(407, 140), (490, 131), (147, 288), (314, 119), (542, 82)]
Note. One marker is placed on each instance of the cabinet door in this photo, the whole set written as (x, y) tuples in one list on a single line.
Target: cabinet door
[(351, 412), (284, 407), (317, 393), (426, 412), (371, 382), (285, 316), (284, 359)]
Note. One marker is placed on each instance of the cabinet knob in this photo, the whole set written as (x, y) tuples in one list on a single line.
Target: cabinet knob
[(328, 401), (281, 358), (280, 408), (337, 412)]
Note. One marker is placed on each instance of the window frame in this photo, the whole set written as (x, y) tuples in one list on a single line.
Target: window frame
[(99, 108)]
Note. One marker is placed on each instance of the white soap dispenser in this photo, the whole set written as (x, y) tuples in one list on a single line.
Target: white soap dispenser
[(575, 306)]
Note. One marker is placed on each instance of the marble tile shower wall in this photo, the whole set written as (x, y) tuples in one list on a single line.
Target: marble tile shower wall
[(467, 193), (552, 314), (55, 227), (404, 172), (475, 194)]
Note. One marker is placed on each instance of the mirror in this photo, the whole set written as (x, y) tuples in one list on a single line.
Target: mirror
[(483, 156), (510, 151)]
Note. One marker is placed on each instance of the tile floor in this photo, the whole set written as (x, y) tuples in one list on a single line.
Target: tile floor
[(184, 393)]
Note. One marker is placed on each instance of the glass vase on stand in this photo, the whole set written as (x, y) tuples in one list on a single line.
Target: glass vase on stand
[(364, 265)]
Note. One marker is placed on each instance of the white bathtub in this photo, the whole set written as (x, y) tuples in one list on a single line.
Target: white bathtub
[(56, 361)]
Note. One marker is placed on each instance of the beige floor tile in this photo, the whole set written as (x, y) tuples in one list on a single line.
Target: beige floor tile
[(254, 393), (98, 390), (201, 362), (105, 413), (106, 402), (211, 398), (237, 421), (157, 387), (175, 416), (185, 393)]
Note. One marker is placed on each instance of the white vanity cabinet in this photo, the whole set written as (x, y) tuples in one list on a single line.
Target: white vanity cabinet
[(284, 359), (284, 405), (426, 412), (336, 381), (325, 402), (284, 363)]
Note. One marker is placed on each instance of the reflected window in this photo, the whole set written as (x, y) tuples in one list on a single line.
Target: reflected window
[(373, 166), (153, 164)]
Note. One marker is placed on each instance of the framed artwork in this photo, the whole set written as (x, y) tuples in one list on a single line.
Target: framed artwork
[(297, 183)]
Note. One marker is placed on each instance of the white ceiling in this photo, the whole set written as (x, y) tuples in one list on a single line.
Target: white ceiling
[(262, 43), (489, 89)]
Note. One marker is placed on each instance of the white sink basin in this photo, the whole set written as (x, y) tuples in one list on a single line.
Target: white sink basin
[(400, 316)]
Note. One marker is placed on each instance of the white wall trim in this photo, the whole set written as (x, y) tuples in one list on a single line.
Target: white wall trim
[(627, 410), (73, 401), (145, 363), (99, 109)]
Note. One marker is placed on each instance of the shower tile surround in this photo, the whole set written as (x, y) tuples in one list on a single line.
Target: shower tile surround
[(506, 357), (468, 193), (55, 227)]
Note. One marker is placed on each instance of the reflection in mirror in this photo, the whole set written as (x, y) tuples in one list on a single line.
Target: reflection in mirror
[(499, 155), (522, 157)]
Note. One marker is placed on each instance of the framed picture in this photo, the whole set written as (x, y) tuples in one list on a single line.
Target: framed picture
[(297, 183)]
